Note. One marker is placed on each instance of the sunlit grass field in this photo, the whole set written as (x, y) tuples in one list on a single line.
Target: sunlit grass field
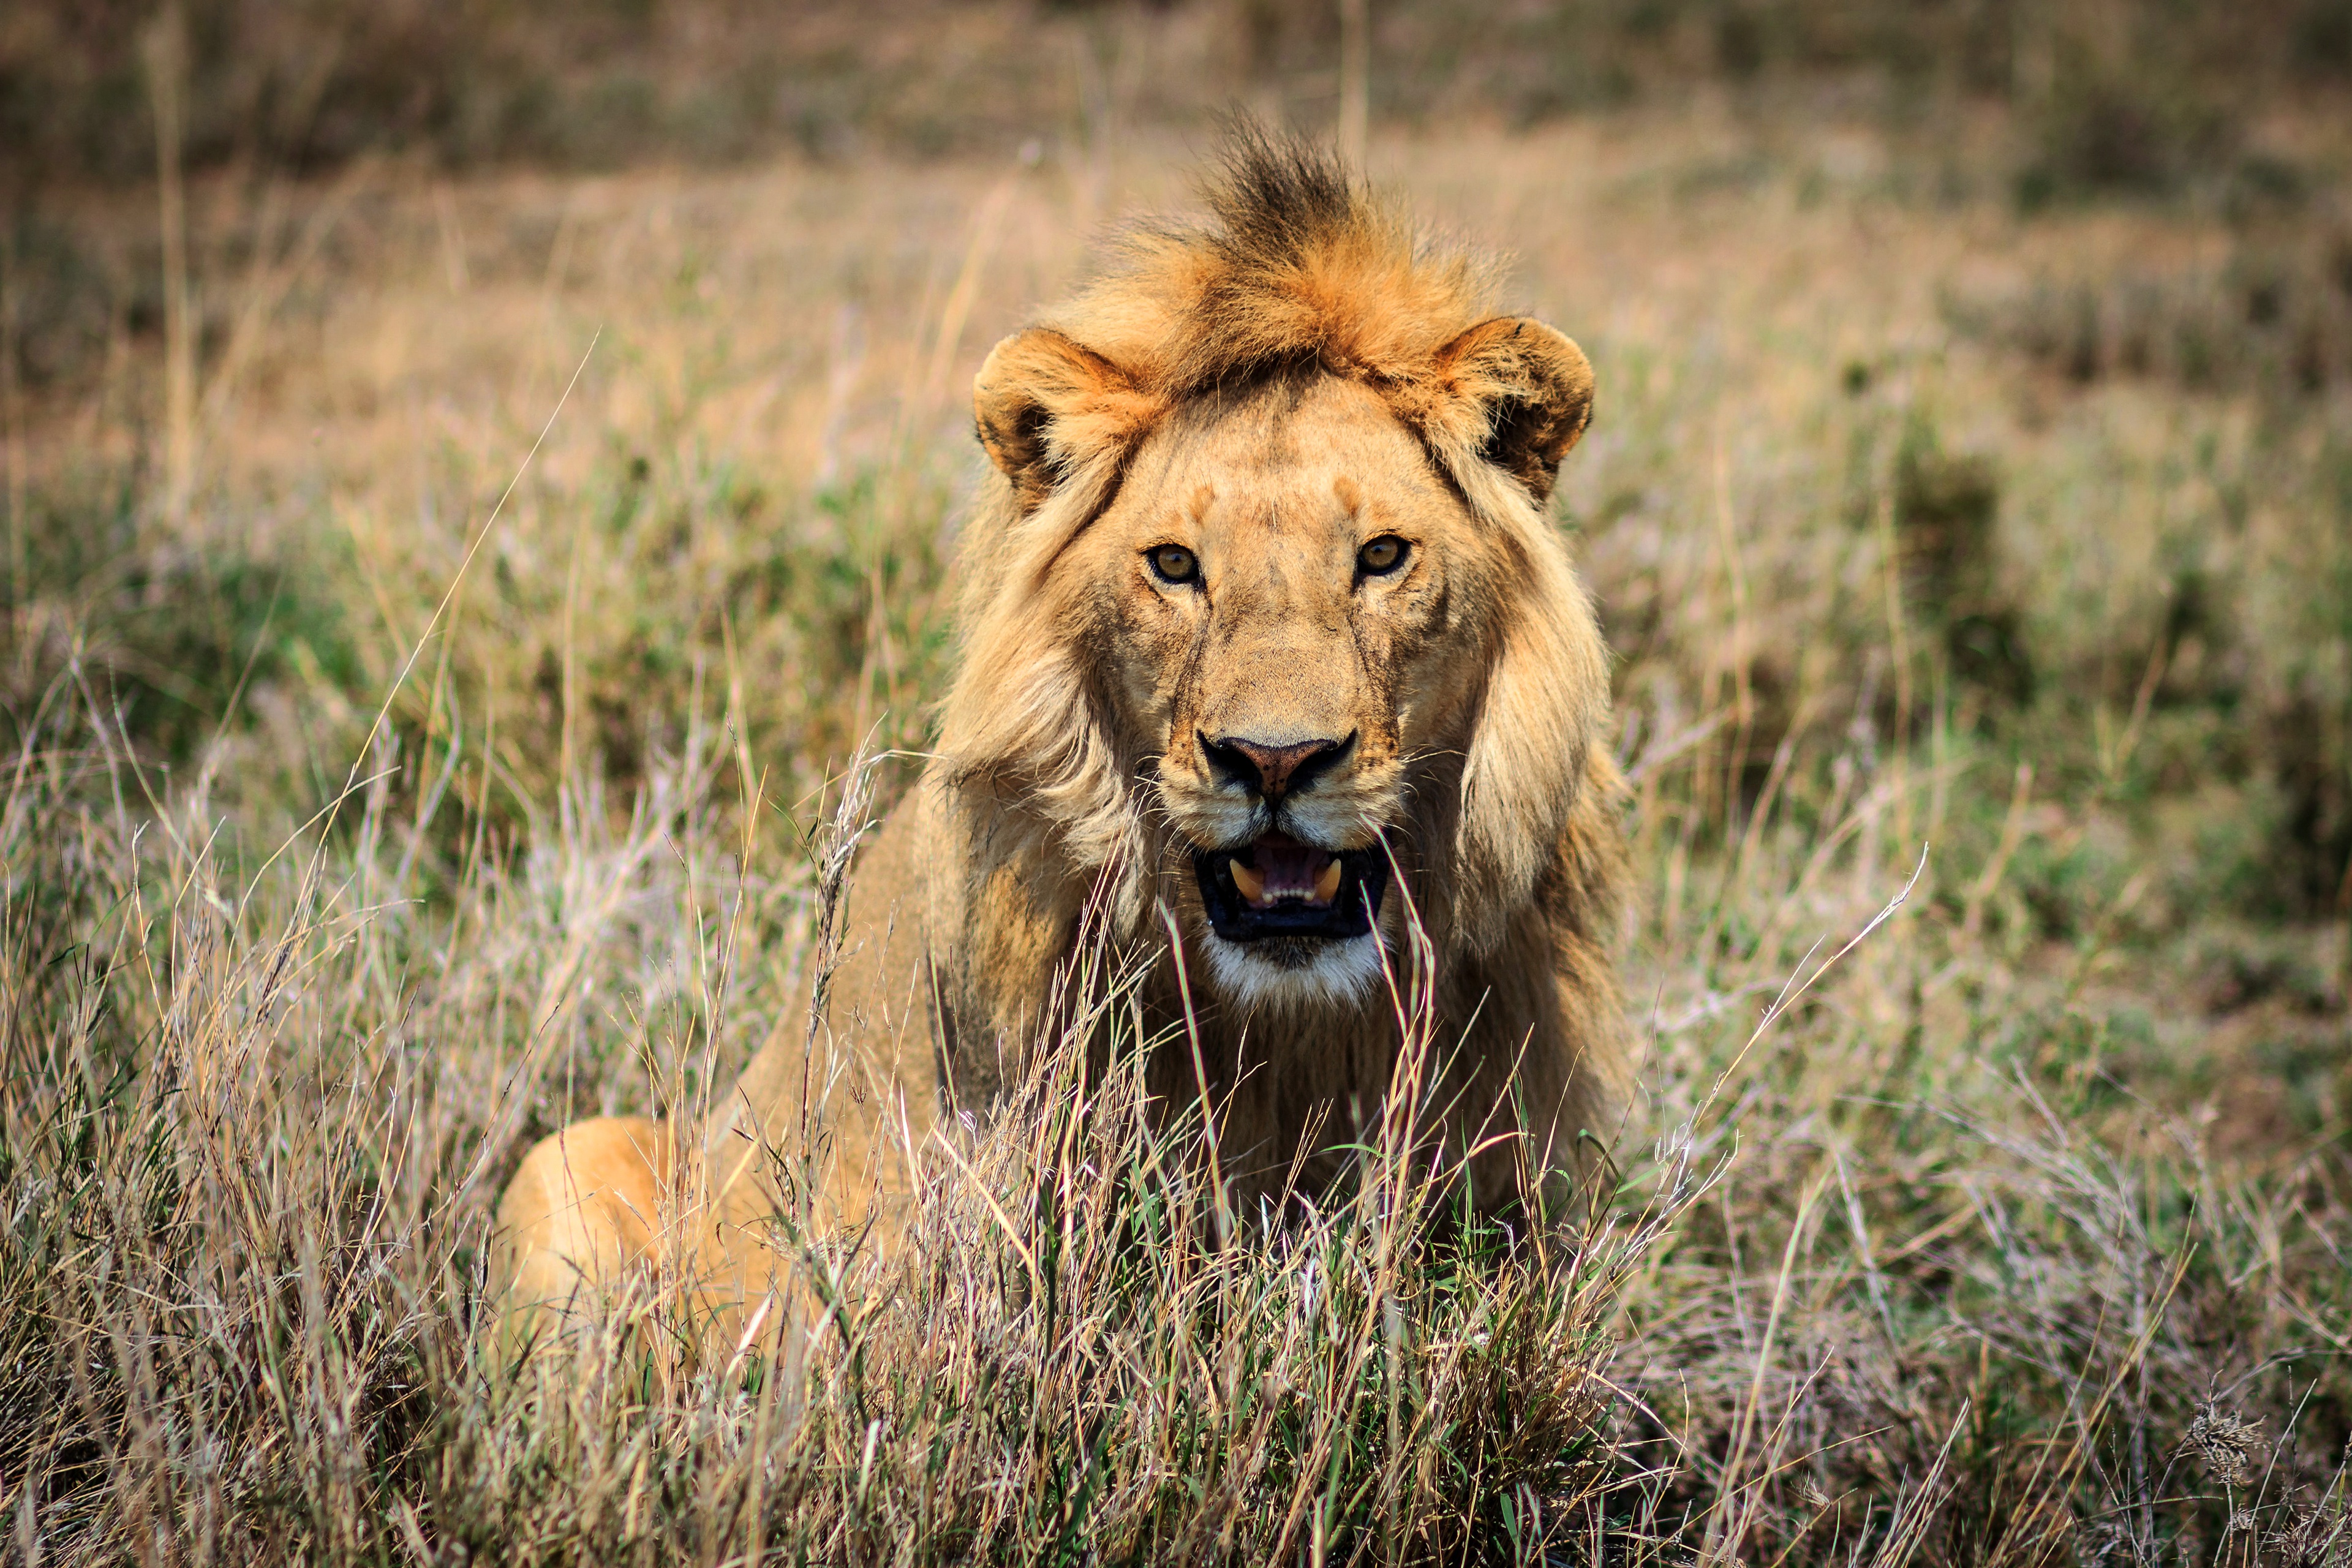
[(435, 651)]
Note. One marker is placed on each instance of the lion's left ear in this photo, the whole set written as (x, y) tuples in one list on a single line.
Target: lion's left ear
[(1505, 402), (1513, 392)]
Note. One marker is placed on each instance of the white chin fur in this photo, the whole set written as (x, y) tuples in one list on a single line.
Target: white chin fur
[(1340, 974)]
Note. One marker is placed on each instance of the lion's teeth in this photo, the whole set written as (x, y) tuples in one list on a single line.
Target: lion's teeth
[(1327, 886), (1252, 884)]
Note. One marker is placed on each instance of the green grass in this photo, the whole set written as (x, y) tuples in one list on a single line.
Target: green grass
[(1973, 1252)]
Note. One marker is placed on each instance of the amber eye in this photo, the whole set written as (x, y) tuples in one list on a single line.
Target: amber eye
[(1382, 555), (1173, 563)]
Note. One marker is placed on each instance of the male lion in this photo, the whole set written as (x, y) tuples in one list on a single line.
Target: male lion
[(1267, 641)]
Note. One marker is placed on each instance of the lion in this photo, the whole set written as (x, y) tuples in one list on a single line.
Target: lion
[(1268, 655)]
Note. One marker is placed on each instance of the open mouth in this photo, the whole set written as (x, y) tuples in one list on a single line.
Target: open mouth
[(1276, 886)]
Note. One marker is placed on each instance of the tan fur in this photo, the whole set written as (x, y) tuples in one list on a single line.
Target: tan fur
[(584, 1204), (1269, 389)]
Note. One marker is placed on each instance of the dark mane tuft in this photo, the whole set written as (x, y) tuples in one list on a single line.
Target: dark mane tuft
[(1277, 200), (1295, 261)]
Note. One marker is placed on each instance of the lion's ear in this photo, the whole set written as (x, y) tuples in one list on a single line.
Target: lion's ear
[(1521, 394), (1045, 404)]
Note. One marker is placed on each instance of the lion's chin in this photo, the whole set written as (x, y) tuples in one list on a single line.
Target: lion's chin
[(1293, 972)]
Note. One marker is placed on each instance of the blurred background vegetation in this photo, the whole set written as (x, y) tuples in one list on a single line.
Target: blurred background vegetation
[(2146, 95)]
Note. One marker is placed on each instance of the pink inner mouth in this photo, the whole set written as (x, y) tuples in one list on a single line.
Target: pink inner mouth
[(1284, 871)]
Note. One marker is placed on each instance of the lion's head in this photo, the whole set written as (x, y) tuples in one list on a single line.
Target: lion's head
[(1265, 611)]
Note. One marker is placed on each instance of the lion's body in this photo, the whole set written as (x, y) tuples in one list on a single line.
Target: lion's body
[(1262, 620)]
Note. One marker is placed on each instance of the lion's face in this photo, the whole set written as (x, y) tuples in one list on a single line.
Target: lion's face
[(1272, 638), (1288, 599)]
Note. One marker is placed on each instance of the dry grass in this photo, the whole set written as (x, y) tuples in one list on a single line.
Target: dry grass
[(2013, 1236)]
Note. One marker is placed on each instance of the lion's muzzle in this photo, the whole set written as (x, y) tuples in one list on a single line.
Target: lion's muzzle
[(1271, 770), (1276, 886)]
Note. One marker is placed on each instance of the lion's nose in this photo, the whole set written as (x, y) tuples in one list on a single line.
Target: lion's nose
[(1271, 771)]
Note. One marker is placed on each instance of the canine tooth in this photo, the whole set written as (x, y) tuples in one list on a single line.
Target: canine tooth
[(1327, 886), (1251, 883)]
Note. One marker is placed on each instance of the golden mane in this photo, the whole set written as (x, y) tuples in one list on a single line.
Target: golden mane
[(1295, 263), (1297, 268)]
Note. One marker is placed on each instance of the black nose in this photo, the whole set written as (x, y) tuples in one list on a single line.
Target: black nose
[(1273, 772)]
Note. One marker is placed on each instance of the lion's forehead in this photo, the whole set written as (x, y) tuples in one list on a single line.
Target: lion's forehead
[(1275, 495), (1286, 458)]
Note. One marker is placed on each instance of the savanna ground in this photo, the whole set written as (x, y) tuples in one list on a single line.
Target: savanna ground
[(442, 608)]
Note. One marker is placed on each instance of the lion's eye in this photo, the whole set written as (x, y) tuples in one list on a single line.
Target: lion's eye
[(1382, 555), (1173, 563)]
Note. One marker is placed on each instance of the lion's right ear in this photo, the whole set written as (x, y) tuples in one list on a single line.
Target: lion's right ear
[(1045, 404)]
